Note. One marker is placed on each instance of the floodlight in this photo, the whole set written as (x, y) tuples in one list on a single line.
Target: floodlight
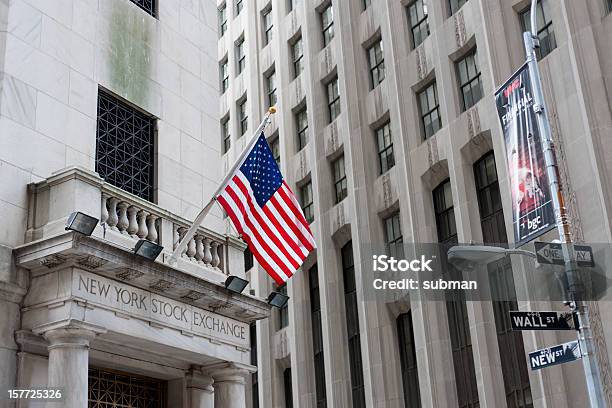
[(148, 249), (83, 223), (277, 299), (235, 284)]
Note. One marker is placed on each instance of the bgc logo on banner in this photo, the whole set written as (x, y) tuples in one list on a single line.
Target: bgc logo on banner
[(532, 206)]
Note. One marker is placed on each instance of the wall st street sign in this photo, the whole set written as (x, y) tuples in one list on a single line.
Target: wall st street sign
[(551, 253), (542, 320), (563, 353)]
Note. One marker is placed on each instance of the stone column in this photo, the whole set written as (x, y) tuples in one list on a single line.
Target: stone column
[(69, 363), (200, 392), (229, 385)]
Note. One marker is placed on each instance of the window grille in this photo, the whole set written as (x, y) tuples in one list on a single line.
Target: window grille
[(125, 146)]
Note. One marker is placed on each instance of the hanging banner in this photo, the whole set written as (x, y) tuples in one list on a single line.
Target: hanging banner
[(532, 207)]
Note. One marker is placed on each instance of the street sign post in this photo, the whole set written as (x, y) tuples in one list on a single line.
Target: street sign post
[(552, 253), (563, 353), (542, 320)]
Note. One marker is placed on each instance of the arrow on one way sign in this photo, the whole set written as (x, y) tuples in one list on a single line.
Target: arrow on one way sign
[(552, 253)]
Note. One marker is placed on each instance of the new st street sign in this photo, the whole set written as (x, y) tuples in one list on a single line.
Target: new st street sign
[(542, 320), (552, 253), (563, 353)]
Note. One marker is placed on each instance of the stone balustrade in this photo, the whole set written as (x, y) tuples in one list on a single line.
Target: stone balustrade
[(200, 249), (125, 219)]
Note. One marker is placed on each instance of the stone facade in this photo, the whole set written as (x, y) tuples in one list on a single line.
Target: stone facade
[(72, 303), (577, 75)]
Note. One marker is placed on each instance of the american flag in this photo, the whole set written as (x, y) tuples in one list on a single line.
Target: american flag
[(266, 213)]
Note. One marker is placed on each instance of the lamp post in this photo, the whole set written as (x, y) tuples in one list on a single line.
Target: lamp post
[(585, 337)]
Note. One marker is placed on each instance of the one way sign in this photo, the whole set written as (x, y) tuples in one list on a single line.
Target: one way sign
[(563, 353), (552, 253)]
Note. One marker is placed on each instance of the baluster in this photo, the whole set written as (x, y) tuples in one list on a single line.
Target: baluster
[(181, 233), (113, 219), (175, 236), (207, 254), (123, 219), (191, 249), (215, 254), (152, 235), (132, 228), (199, 249), (104, 210), (143, 230)]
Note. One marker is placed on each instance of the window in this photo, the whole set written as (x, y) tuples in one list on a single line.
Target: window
[(147, 5), (283, 312), (366, 4), (445, 213), (275, 148), (248, 260), (376, 60), (291, 4), (333, 99), (268, 25), (287, 384), (546, 33), (297, 52), (352, 326), (327, 22), (393, 236), (254, 382), (271, 88), (455, 5), (240, 56), (419, 26), (470, 85), (243, 117), (408, 361), (458, 323), (512, 350), (224, 71), (317, 337), (125, 146), (430, 110), (306, 202), (339, 179), (608, 6), (386, 160), (301, 124), (226, 136), (222, 19), (238, 7)]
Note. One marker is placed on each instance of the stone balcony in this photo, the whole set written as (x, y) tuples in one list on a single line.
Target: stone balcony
[(197, 278), (126, 218)]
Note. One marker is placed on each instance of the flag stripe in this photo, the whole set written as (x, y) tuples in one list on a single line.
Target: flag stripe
[(264, 241), (294, 205), (294, 212), (263, 261), (285, 213), (270, 225)]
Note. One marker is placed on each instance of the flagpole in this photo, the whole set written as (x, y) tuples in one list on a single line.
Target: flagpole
[(200, 217)]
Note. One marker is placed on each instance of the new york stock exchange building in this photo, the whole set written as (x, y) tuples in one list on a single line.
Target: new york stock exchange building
[(110, 109), (103, 324)]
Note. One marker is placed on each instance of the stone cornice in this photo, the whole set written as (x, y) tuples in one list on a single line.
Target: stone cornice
[(118, 263)]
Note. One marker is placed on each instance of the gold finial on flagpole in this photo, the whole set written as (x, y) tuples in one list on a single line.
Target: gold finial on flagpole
[(272, 110)]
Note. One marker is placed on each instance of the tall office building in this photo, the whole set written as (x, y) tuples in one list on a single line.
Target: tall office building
[(387, 131)]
